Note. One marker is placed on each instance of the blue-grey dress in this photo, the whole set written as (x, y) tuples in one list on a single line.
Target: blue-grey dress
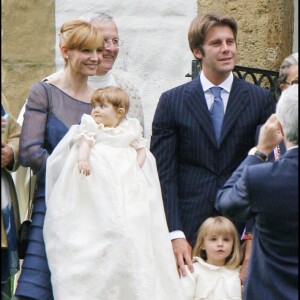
[(47, 118)]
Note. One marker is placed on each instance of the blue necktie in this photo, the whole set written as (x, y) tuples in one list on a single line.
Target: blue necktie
[(217, 112)]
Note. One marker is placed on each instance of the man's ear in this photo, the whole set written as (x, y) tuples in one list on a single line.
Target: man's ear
[(197, 53), (280, 128)]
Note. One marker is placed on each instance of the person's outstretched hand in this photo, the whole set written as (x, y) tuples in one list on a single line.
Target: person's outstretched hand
[(183, 255)]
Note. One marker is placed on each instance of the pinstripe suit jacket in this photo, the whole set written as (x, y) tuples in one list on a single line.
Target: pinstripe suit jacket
[(190, 165)]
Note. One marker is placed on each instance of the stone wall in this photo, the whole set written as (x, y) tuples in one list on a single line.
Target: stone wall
[(28, 41)]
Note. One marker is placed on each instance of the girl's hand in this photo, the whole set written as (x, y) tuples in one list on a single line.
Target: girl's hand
[(84, 167)]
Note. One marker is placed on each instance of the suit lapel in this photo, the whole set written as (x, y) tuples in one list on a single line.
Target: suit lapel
[(195, 102), (238, 99)]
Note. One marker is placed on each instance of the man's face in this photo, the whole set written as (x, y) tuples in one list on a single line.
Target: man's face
[(220, 52), (110, 51)]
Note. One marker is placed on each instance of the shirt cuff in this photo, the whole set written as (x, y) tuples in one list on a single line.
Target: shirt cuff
[(176, 234)]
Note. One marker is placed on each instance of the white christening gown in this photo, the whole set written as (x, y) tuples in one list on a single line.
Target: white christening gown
[(106, 235)]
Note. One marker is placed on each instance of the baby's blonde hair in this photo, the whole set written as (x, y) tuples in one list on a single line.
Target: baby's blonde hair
[(219, 225), (113, 95)]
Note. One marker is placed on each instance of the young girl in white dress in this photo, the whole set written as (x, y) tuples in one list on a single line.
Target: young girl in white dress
[(217, 257), (105, 230)]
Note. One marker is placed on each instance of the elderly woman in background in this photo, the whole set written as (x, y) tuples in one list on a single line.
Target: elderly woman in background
[(288, 72), (288, 75)]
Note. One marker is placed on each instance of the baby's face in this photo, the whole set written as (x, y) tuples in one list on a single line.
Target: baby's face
[(105, 114)]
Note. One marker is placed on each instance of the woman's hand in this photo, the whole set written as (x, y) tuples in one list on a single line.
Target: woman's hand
[(7, 156)]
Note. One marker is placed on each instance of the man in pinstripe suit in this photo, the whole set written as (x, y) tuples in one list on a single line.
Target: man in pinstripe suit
[(192, 165)]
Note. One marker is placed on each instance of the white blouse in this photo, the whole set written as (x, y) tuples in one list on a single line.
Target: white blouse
[(211, 282)]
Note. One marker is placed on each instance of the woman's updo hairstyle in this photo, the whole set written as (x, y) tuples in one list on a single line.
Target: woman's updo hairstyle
[(78, 34)]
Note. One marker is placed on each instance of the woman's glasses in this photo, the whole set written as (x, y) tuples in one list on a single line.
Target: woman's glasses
[(117, 43)]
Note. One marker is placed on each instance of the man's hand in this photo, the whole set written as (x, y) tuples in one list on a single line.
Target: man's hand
[(183, 254), (270, 135), (7, 156)]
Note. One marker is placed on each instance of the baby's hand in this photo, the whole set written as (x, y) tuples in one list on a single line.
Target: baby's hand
[(84, 167)]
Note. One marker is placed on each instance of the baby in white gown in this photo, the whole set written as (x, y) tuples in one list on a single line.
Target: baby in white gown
[(105, 230)]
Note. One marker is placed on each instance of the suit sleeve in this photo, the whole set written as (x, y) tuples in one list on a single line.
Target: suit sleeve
[(163, 146), (233, 200), (32, 151), (269, 106)]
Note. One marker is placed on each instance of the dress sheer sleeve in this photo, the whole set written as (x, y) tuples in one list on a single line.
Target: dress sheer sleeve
[(32, 151)]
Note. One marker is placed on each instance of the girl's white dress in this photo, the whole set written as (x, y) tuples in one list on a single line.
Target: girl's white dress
[(211, 282), (106, 234)]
